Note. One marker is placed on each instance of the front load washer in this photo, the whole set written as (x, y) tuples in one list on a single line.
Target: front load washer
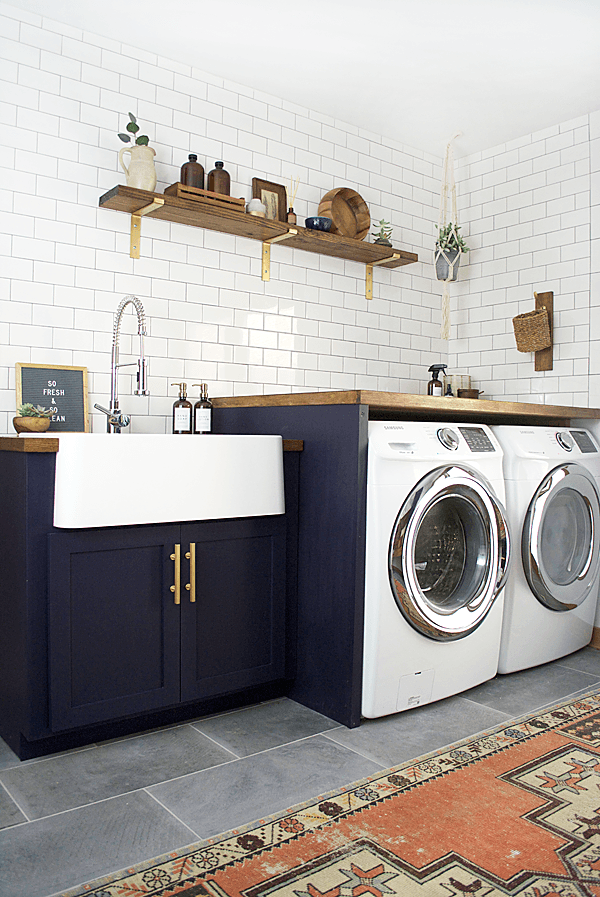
[(551, 477), (437, 550)]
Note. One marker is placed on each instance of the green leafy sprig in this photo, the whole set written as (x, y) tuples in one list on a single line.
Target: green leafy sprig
[(450, 238), (133, 128)]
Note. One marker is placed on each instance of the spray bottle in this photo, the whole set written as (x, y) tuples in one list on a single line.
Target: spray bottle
[(435, 387)]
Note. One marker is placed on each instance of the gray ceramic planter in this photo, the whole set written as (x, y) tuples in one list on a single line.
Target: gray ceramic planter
[(442, 266)]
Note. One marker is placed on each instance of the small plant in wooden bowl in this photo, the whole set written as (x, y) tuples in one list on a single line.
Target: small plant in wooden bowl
[(32, 418)]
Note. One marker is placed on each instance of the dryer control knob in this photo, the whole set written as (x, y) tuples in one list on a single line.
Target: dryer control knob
[(565, 440), (448, 438)]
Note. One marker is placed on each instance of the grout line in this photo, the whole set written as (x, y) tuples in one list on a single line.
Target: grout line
[(197, 836), (17, 804), (215, 742)]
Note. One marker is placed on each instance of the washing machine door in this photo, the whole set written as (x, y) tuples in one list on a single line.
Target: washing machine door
[(559, 543), (448, 553)]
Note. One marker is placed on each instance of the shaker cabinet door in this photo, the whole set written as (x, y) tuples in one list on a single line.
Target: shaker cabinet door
[(113, 624), (233, 634)]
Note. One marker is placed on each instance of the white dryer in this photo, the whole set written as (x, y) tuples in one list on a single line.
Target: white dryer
[(551, 476), (437, 550)]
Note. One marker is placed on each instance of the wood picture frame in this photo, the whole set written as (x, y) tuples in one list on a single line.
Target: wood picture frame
[(63, 388), (274, 196)]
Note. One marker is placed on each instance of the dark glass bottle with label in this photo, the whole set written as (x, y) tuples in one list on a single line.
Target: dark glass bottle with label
[(182, 411), (218, 180), (202, 411), (192, 173)]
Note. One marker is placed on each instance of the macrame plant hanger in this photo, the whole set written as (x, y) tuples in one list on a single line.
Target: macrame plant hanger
[(448, 198)]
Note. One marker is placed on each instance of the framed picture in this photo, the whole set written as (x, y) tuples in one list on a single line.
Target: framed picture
[(273, 196), (64, 389)]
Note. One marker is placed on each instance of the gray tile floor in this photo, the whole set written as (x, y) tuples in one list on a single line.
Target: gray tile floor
[(72, 817)]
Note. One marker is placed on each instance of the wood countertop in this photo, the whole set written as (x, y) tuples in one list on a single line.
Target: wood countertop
[(393, 405), (50, 444), (28, 444)]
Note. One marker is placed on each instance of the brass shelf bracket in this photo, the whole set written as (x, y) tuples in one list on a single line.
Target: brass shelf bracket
[(369, 277), (136, 226), (266, 252)]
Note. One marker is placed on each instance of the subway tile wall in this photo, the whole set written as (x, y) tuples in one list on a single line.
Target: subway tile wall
[(530, 210), (65, 262)]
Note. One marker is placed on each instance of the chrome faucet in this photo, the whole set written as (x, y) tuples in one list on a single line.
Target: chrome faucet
[(115, 419)]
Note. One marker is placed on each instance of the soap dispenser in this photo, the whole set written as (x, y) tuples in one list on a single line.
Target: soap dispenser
[(182, 411), (434, 387), (202, 411)]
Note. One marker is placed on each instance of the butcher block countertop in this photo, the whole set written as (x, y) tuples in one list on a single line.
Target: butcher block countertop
[(405, 406)]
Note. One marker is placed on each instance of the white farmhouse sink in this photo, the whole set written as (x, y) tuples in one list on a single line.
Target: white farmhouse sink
[(116, 480)]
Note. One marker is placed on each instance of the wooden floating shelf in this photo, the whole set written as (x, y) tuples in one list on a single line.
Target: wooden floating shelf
[(208, 214)]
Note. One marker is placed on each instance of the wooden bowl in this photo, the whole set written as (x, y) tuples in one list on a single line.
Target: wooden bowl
[(30, 424), (348, 211)]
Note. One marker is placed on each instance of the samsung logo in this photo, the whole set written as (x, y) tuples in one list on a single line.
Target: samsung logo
[(392, 427)]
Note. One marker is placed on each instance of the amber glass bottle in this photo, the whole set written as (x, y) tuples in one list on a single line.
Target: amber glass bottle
[(218, 180), (182, 411), (192, 173), (203, 411)]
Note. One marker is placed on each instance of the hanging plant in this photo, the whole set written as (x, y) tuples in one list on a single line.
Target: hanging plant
[(450, 243), (448, 248), (450, 238)]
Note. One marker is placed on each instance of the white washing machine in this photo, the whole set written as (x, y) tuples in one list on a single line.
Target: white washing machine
[(551, 476), (437, 551)]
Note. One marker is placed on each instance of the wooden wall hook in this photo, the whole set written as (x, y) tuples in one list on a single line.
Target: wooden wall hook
[(544, 358)]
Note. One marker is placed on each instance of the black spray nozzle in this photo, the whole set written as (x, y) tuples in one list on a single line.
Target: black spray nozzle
[(436, 368)]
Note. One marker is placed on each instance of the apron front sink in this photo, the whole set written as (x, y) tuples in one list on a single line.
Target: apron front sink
[(120, 480)]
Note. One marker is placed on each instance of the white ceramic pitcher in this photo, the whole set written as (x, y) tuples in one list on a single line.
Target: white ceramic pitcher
[(141, 172)]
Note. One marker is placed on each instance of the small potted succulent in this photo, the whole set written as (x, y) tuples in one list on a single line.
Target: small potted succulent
[(141, 172), (32, 418), (448, 248), (384, 235)]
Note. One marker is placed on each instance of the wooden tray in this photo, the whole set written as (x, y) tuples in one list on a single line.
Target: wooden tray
[(182, 191)]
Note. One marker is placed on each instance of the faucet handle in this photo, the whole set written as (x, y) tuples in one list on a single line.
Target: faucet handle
[(142, 378), (116, 419)]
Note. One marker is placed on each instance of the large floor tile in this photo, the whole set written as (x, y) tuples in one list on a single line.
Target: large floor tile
[(80, 777), (587, 660), (53, 854), (528, 690), (217, 800), (264, 726), (394, 739), (9, 812), (7, 756)]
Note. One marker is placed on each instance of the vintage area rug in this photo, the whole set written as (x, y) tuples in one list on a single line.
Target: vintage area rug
[(513, 811)]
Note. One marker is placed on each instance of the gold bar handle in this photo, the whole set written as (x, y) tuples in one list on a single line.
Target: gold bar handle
[(176, 556), (191, 585)]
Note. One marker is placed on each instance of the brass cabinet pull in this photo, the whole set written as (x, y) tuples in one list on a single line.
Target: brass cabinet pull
[(176, 556), (191, 586)]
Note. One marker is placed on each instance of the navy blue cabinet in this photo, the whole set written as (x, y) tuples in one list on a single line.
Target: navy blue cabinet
[(131, 631)]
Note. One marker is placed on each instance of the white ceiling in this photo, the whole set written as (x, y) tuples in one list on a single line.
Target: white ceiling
[(414, 70)]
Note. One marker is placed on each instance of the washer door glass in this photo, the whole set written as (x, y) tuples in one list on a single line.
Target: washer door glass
[(559, 543), (448, 553)]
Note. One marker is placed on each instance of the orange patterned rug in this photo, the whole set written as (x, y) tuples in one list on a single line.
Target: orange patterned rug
[(515, 810)]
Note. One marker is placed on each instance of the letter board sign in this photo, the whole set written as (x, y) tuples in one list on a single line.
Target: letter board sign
[(64, 389)]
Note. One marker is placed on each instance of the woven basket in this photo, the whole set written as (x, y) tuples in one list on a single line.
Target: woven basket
[(532, 331)]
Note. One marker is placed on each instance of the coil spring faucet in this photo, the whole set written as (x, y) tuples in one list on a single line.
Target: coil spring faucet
[(115, 419)]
